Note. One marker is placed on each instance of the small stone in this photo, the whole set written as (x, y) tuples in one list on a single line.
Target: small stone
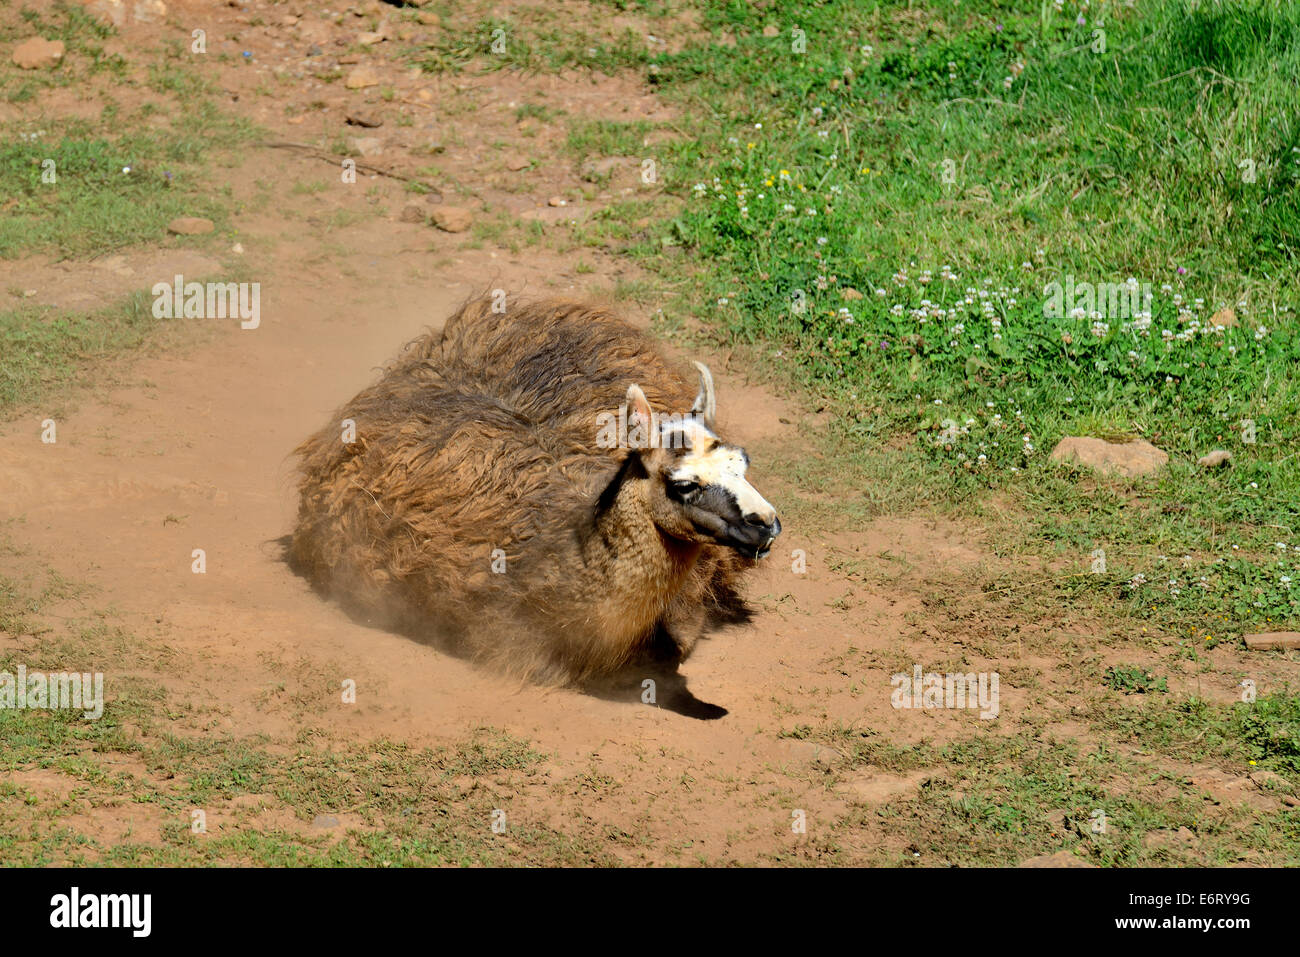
[(452, 219), (849, 293), (515, 163), (1214, 459), (429, 18), (38, 54), (1129, 459), (315, 50), (150, 11), (557, 201), (190, 226), (28, 293), (366, 145), (237, 249), (771, 31), (370, 39), (1271, 640), (425, 96), (362, 119), (108, 12), (1268, 779), (361, 78), (413, 214)]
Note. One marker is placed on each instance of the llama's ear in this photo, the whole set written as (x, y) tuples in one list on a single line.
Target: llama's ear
[(639, 419), (706, 404)]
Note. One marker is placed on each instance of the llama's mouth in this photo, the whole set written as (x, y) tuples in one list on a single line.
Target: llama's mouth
[(754, 542)]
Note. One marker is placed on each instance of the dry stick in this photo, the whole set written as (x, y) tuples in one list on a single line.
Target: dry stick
[(331, 158)]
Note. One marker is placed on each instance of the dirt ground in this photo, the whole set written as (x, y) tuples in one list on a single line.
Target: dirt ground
[(188, 447)]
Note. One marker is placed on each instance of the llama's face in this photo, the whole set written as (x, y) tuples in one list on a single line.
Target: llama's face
[(699, 492)]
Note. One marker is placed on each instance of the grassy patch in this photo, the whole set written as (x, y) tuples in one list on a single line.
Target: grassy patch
[(971, 232)]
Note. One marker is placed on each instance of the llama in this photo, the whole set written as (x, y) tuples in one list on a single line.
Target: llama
[(479, 505)]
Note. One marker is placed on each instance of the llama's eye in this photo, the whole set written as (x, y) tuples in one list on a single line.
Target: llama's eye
[(684, 489)]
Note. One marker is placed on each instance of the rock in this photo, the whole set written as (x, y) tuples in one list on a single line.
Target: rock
[(107, 12), (366, 145), (516, 163), (428, 18), (771, 31), (38, 54), (1129, 459), (360, 78), (190, 226), (557, 201), (362, 119), (315, 50), (849, 293), (425, 96), (1059, 859), (1224, 317), (1268, 640), (237, 249), (1267, 779), (413, 214), (370, 39), (1163, 838), (324, 821), (150, 11), (1214, 459), (452, 219)]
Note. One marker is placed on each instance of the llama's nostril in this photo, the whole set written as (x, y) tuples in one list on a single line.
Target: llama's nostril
[(753, 518)]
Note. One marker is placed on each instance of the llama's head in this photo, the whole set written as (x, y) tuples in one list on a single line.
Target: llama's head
[(696, 482)]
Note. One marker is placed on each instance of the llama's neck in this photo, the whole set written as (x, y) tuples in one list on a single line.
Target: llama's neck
[(634, 569)]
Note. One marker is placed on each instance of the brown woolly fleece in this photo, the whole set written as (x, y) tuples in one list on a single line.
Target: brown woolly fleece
[(484, 438)]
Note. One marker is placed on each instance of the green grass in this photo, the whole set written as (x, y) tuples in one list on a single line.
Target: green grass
[(82, 186), (882, 222), (46, 348), (79, 188), (996, 800), (548, 42)]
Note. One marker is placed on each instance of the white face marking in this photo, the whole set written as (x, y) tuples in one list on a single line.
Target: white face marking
[(721, 465)]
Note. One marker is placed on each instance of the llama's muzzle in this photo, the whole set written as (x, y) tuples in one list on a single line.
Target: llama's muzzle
[(754, 539)]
